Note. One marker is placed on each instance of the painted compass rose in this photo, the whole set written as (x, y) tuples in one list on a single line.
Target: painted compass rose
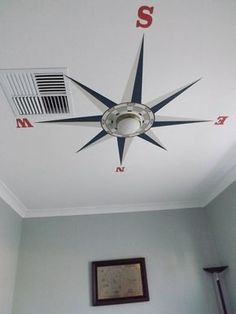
[(131, 117)]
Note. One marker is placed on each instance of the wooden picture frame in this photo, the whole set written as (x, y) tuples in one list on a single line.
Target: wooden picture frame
[(119, 281)]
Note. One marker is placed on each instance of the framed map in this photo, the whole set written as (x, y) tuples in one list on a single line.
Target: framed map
[(119, 281)]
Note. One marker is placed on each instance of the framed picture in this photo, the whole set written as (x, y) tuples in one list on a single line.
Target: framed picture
[(119, 281)]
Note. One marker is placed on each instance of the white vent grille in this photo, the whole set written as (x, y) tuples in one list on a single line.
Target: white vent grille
[(50, 83), (28, 105), (35, 91)]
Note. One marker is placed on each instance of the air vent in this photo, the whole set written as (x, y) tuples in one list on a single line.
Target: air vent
[(55, 104), (35, 91), (50, 83)]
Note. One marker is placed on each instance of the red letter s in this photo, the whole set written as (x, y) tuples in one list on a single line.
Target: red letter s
[(145, 16)]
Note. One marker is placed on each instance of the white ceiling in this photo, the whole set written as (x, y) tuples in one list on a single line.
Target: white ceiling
[(97, 41)]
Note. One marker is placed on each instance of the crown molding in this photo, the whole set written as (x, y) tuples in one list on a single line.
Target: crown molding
[(16, 204), (108, 209), (12, 200), (222, 183)]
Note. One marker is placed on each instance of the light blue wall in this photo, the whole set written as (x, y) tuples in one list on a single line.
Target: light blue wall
[(54, 262), (222, 214), (10, 229)]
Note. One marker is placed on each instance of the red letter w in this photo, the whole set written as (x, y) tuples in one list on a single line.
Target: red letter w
[(23, 123)]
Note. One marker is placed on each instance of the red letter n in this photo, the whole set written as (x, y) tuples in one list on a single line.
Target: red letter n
[(120, 169)]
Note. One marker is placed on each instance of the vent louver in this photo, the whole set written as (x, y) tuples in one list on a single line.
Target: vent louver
[(36, 91), (50, 83)]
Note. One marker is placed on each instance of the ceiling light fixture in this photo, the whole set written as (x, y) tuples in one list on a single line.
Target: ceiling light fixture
[(127, 120)]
